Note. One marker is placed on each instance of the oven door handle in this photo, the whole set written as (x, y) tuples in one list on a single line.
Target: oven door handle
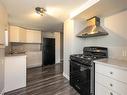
[(84, 68), (78, 64)]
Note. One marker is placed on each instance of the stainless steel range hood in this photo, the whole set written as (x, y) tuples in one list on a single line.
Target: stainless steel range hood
[(93, 29)]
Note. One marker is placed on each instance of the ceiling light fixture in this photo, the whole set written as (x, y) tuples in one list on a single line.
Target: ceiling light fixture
[(40, 11)]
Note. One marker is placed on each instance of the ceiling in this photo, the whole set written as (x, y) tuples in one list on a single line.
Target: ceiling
[(100, 8), (22, 13)]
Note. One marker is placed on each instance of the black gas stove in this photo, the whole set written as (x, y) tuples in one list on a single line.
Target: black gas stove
[(90, 54), (82, 73)]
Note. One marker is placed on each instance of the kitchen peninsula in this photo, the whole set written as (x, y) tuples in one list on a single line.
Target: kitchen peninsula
[(15, 71)]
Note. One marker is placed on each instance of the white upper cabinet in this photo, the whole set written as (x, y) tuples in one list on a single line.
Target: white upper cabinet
[(33, 36), (22, 35), (1, 37), (17, 34), (3, 25), (102, 90)]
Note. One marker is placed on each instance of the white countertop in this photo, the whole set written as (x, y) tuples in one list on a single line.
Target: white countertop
[(121, 64)]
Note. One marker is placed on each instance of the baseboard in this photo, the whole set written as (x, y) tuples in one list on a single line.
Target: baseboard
[(66, 76), (58, 63), (34, 65)]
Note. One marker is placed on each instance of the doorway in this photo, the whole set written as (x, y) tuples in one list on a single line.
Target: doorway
[(48, 51)]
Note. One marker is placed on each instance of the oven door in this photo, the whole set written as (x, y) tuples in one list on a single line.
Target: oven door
[(80, 77)]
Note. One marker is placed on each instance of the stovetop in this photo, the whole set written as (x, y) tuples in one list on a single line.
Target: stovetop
[(90, 54), (85, 59)]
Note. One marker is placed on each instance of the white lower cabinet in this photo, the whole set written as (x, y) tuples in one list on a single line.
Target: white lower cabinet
[(102, 90), (111, 84), (114, 73), (107, 83), (15, 72)]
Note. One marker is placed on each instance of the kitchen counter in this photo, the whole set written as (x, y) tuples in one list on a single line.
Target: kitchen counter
[(121, 64), (15, 72)]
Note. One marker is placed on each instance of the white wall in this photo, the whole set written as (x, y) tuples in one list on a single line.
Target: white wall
[(57, 47), (68, 31), (3, 26), (117, 38), (61, 46), (57, 37), (115, 41)]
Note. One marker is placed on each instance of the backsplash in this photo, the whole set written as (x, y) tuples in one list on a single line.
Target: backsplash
[(22, 47)]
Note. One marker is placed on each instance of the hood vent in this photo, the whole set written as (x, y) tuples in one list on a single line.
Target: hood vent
[(93, 29)]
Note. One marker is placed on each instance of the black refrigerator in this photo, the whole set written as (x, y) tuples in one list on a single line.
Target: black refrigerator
[(48, 52)]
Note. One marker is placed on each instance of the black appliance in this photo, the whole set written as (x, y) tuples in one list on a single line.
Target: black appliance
[(82, 69), (48, 51)]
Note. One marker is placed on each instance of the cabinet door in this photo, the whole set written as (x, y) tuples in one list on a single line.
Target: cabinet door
[(37, 36), (100, 90), (111, 72), (17, 34), (22, 35), (33, 36), (15, 72), (29, 37), (1, 37), (14, 34)]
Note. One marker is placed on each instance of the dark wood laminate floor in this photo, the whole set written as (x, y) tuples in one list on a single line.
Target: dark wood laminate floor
[(45, 81)]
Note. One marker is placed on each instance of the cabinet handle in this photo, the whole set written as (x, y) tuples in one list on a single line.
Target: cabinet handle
[(111, 85), (77, 87), (111, 93), (111, 73)]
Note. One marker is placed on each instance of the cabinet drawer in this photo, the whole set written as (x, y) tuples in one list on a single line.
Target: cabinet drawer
[(110, 92), (114, 85), (115, 73), (102, 90)]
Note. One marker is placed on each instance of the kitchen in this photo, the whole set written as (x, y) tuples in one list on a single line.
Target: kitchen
[(110, 74), (115, 25)]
